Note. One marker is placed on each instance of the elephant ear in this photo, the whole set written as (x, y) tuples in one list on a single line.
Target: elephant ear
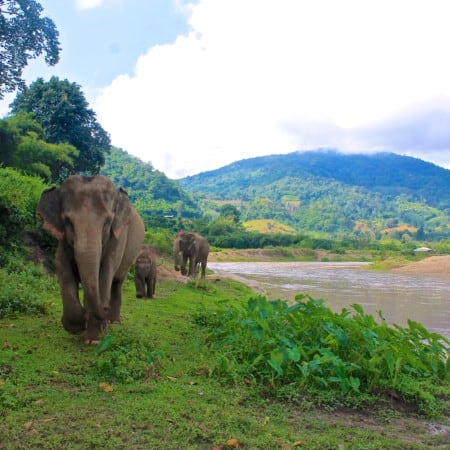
[(49, 212), (122, 211)]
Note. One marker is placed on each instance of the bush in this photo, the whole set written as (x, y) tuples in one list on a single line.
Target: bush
[(19, 195), (311, 347), (22, 284), (125, 357), (161, 239)]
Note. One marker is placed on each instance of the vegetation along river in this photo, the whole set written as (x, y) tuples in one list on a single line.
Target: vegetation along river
[(400, 297)]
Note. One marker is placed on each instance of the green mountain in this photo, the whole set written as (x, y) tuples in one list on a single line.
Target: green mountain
[(332, 193), (154, 195)]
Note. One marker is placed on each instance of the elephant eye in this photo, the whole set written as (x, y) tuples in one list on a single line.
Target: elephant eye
[(108, 222), (68, 222)]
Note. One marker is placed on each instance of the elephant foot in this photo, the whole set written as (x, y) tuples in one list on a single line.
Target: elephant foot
[(73, 326), (91, 337), (113, 318), (92, 333), (139, 295)]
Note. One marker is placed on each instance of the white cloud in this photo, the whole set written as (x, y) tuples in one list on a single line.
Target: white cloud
[(88, 4), (258, 77)]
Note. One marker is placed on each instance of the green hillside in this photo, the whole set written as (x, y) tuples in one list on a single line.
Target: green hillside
[(154, 195), (332, 193)]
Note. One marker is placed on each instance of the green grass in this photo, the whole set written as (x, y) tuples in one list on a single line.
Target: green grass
[(152, 383)]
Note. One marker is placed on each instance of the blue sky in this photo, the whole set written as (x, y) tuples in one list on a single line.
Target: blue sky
[(192, 86), (103, 39)]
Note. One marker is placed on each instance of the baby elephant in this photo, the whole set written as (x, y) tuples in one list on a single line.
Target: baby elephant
[(145, 273)]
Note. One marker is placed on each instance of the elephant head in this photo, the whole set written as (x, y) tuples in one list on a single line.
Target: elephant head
[(99, 235), (193, 247), (145, 273)]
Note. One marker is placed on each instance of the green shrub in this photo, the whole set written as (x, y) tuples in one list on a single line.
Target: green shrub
[(22, 286), (19, 195), (310, 346), (161, 239), (125, 356)]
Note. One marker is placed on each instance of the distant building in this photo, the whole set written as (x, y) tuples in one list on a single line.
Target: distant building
[(422, 249)]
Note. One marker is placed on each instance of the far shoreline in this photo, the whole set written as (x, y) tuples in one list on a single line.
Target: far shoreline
[(437, 265)]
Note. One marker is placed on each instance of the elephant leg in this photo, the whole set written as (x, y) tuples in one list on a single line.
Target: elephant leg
[(153, 284), (74, 316), (203, 269), (192, 268), (116, 300), (183, 265), (140, 285), (149, 287)]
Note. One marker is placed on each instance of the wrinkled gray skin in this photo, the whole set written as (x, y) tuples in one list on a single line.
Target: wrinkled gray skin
[(145, 273), (193, 247), (99, 236)]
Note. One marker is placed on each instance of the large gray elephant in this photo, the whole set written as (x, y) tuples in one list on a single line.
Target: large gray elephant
[(145, 273), (99, 236), (193, 247)]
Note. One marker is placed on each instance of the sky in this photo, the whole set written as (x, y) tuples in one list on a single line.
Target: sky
[(191, 86)]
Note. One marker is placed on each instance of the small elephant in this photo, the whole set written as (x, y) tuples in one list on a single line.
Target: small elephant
[(194, 248), (99, 235), (145, 273)]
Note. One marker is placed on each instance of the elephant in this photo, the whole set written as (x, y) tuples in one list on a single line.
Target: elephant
[(145, 273), (194, 248), (99, 236)]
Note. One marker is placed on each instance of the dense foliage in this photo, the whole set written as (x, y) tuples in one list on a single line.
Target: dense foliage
[(159, 200), (19, 195), (24, 35), (23, 146), (307, 346), (64, 114), (330, 193), (23, 285)]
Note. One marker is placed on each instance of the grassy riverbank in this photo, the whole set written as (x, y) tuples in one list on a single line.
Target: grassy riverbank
[(151, 384)]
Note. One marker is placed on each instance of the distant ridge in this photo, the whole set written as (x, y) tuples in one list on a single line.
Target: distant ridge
[(327, 191)]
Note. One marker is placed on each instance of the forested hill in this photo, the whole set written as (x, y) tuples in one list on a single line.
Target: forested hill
[(153, 194), (330, 192)]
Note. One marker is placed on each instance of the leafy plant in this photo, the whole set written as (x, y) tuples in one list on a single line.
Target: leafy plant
[(19, 195), (22, 290), (126, 357), (309, 345)]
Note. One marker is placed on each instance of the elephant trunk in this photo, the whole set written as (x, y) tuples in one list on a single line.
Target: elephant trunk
[(176, 257), (88, 257)]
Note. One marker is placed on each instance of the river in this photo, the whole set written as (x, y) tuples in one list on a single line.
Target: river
[(425, 299)]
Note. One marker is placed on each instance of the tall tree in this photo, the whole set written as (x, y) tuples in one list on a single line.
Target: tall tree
[(24, 35), (229, 210), (62, 110)]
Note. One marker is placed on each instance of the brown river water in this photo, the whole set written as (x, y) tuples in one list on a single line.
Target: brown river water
[(424, 299)]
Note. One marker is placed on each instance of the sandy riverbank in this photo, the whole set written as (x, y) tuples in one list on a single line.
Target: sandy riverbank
[(434, 265)]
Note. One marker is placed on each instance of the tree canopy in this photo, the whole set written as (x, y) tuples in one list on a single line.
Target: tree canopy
[(24, 35), (23, 146), (64, 114)]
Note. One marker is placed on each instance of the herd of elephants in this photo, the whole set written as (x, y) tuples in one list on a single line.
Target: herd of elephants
[(100, 235)]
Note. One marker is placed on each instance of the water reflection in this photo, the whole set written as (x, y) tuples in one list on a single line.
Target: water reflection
[(400, 297)]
